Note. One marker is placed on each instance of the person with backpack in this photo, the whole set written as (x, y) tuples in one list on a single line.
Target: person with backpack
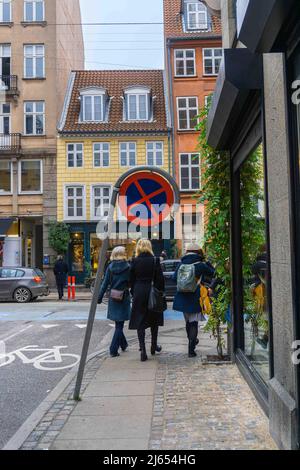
[(187, 299), (116, 279), (146, 276)]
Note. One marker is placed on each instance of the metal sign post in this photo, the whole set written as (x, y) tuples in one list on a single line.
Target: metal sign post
[(102, 258)]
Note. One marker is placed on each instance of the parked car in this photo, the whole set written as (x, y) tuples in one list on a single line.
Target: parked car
[(22, 284), (169, 267)]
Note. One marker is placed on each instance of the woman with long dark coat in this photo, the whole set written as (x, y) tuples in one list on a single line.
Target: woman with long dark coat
[(117, 277), (145, 268)]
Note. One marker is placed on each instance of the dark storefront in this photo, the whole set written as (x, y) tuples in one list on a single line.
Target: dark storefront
[(255, 115), (85, 246)]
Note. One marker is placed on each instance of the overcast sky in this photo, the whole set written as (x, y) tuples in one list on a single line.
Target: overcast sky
[(117, 47)]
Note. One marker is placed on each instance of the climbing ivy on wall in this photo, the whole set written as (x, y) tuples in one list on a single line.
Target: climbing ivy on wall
[(215, 195)]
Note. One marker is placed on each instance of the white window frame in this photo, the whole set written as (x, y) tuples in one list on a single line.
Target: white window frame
[(190, 165), (34, 56), (187, 109), (92, 203), (34, 114), (92, 93), (155, 150), (1, 11), (74, 185), (7, 193), (34, 2), (137, 92), (4, 45), (20, 176), (201, 10), (127, 154), (213, 58), (184, 59), (75, 152), (101, 152), (5, 115)]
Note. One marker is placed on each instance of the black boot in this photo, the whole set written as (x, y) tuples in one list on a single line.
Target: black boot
[(154, 346), (141, 335), (187, 327), (193, 333)]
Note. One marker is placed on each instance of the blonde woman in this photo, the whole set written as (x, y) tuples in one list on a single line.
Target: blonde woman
[(145, 268), (117, 280)]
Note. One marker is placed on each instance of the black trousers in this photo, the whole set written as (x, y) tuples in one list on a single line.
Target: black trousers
[(142, 333), (60, 290)]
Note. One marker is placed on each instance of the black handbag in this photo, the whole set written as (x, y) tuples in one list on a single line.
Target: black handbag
[(156, 302)]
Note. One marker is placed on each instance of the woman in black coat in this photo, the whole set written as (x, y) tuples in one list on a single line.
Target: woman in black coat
[(145, 268)]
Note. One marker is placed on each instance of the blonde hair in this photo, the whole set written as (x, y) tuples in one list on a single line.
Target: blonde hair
[(118, 254), (144, 246)]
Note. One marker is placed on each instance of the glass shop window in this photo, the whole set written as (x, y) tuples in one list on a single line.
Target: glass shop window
[(255, 263)]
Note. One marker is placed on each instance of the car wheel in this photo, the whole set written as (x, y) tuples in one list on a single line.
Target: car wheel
[(22, 295)]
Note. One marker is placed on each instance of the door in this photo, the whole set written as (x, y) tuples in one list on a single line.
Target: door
[(5, 137), (5, 65), (76, 256), (38, 245)]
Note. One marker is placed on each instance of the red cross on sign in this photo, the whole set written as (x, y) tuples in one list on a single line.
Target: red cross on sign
[(146, 199)]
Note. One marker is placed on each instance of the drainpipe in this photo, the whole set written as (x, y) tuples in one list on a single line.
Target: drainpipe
[(169, 150), (170, 89)]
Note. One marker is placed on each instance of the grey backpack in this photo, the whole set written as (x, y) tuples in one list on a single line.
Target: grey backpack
[(186, 278)]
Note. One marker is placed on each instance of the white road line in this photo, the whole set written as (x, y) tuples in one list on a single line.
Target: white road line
[(81, 326), (18, 333), (47, 327)]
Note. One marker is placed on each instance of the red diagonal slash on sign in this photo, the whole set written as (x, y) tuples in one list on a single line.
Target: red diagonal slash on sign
[(156, 217), (146, 198)]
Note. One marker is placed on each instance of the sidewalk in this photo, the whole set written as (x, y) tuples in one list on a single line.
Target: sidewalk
[(81, 294), (170, 402)]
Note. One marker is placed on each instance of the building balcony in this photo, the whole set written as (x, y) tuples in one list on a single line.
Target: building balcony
[(10, 143), (9, 84)]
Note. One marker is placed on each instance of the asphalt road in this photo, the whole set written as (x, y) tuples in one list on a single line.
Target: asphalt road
[(26, 382)]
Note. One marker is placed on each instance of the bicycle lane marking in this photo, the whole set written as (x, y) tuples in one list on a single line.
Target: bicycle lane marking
[(48, 356)]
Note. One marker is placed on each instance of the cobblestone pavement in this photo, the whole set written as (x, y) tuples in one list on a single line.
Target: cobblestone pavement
[(197, 405), (209, 407)]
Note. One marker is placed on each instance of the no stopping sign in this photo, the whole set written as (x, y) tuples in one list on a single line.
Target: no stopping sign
[(146, 199)]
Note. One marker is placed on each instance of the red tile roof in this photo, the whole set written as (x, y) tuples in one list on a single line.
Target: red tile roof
[(115, 81), (173, 20)]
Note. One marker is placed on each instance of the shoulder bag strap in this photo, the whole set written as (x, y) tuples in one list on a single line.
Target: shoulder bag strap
[(154, 270)]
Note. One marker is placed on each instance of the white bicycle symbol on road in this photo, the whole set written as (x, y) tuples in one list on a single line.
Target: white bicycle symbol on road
[(50, 359)]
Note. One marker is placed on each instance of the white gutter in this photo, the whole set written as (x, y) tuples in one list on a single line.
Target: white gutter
[(66, 105)]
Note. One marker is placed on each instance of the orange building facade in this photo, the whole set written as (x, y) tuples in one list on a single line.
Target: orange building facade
[(193, 51)]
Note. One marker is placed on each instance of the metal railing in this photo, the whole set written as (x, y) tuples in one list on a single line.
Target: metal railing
[(9, 83), (10, 143)]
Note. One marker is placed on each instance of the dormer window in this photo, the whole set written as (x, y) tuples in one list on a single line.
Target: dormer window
[(196, 16), (93, 105), (137, 104)]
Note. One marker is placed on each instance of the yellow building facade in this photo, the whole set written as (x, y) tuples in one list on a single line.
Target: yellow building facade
[(112, 121), (90, 175)]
